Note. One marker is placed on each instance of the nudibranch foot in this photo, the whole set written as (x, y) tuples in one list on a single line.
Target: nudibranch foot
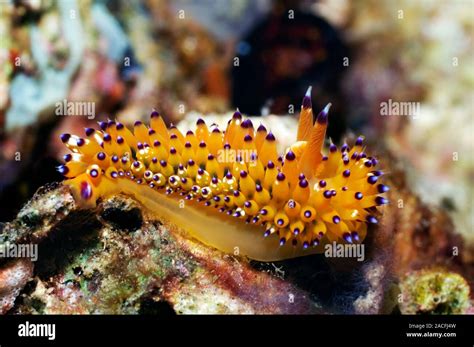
[(231, 189)]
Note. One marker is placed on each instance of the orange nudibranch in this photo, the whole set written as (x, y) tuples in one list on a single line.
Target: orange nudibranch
[(258, 203)]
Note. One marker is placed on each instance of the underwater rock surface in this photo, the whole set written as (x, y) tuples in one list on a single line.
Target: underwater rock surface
[(119, 259)]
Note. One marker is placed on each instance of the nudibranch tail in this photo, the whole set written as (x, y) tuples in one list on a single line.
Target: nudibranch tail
[(230, 189)]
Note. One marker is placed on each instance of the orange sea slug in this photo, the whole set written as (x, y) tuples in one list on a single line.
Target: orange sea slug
[(266, 206)]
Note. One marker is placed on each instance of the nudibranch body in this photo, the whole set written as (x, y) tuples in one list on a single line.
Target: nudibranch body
[(231, 189)]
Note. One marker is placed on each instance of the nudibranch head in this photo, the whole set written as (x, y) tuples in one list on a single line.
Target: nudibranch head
[(297, 201)]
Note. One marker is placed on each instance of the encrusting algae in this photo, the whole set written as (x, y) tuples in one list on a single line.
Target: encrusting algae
[(298, 201), (434, 291)]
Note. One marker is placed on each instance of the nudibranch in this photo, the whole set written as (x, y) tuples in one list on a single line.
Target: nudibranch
[(230, 189)]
